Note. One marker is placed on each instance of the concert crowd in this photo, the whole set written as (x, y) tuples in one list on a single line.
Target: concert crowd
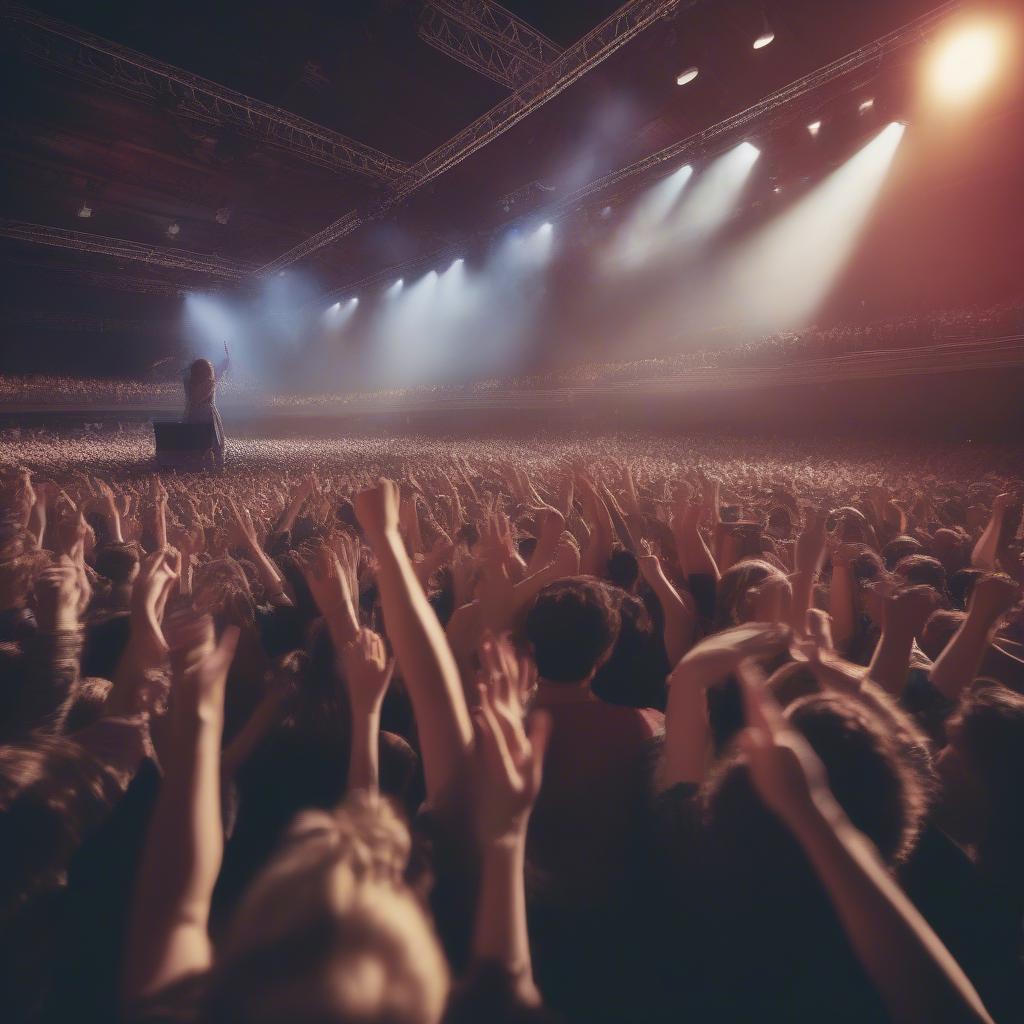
[(408, 731)]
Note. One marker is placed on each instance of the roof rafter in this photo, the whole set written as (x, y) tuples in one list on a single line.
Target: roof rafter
[(782, 106), (486, 38), (82, 54), (622, 26), (161, 256)]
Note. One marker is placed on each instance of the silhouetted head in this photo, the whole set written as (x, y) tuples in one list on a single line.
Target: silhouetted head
[(572, 627)]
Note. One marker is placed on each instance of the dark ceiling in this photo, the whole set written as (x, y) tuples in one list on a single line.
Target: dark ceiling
[(359, 68)]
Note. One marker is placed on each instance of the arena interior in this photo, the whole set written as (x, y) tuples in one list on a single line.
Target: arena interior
[(512, 512)]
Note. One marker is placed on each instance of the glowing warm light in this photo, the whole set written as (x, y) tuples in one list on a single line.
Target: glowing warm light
[(764, 39), (865, 106), (687, 76), (965, 64), (814, 127)]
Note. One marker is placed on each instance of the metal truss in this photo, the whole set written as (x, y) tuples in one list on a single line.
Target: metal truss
[(787, 104), (83, 55), (486, 38), (596, 46), (176, 259), (48, 320), (115, 282)]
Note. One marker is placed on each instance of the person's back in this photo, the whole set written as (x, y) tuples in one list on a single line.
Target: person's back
[(598, 763), (598, 757)]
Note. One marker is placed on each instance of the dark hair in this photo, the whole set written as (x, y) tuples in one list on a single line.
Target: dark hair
[(52, 795), (899, 548), (623, 568), (572, 627), (939, 630), (117, 562), (866, 772), (918, 569), (961, 583), (990, 734)]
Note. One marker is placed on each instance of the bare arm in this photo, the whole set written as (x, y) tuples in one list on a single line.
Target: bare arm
[(687, 729), (422, 652), (912, 970), (509, 767), (680, 615), (905, 613), (167, 930), (955, 668), (986, 551)]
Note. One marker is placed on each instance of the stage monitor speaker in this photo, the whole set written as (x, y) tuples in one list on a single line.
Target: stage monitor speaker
[(184, 444)]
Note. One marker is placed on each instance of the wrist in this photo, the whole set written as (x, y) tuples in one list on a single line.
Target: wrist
[(507, 846)]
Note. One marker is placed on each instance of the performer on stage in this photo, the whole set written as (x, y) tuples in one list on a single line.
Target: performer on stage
[(200, 398)]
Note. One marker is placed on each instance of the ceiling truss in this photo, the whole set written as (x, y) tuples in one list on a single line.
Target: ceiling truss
[(119, 248), (488, 39), (572, 64), (83, 55)]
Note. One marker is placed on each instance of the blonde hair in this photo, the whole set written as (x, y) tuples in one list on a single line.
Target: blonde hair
[(330, 931)]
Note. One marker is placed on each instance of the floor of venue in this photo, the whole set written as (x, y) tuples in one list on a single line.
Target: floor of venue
[(828, 467)]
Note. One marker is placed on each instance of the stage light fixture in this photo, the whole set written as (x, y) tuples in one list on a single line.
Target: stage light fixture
[(814, 127), (173, 230), (85, 210), (687, 76), (965, 63), (334, 308), (606, 212), (865, 106), (767, 34)]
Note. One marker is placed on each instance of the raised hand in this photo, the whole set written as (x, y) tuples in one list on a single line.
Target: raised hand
[(330, 586), (510, 769), (377, 509), (368, 670), (993, 595), (150, 591), (719, 654), (57, 598), (908, 609)]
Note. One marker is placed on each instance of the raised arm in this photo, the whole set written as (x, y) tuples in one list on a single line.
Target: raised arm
[(914, 973), (986, 551), (419, 643), (687, 729), (510, 764), (955, 668), (904, 615), (367, 675), (680, 614), (167, 931), (270, 575), (695, 559)]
